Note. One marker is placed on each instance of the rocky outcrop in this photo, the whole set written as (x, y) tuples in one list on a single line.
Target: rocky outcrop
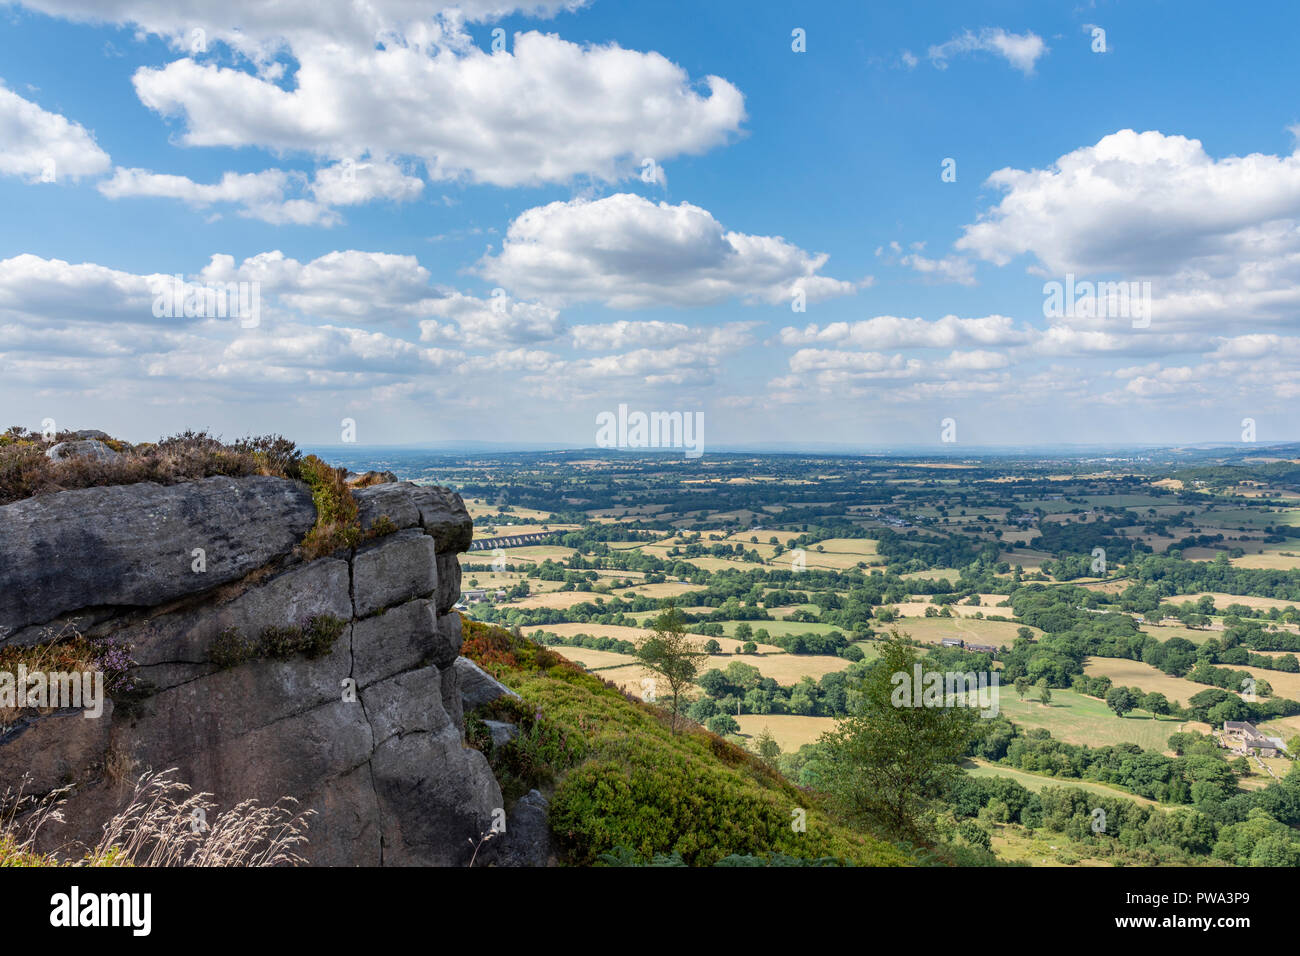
[(477, 686), (369, 733), (140, 545)]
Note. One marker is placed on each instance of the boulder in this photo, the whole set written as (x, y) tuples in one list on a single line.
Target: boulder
[(82, 448), (502, 732), (395, 502), (528, 833), (477, 686), (443, 515)]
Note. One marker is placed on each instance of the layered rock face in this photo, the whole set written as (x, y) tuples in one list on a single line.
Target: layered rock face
[(368, 734)]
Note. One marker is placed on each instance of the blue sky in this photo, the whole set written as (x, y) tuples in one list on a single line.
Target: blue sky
[(376, 172)]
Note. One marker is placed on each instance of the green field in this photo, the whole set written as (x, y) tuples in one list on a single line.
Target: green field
[(1035, 782), (1077, 719)]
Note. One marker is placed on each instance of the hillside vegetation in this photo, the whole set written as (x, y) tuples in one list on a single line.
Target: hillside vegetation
[(626, 788)]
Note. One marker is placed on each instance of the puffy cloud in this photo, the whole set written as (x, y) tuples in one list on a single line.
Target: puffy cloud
[(348, 284), (42, 146), (1021, 50), (893, 332), (349, 182), (547, 111), (612, 336), (480, 323), (53, 292), (1217, 238), (260, 195), (629, 252), (948, 269)]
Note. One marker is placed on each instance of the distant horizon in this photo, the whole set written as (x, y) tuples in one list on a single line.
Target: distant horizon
[(811, 447)]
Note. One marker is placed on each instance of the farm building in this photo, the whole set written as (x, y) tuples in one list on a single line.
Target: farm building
[(1243, 737), (974, 648)]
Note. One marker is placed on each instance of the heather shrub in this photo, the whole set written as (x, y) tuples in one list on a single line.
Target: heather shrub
[(338, 524), (26, 472)]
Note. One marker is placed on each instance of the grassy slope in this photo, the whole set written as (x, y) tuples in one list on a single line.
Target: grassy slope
[(621, 778)]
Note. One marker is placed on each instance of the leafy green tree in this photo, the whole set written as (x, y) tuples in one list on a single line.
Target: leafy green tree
[(723, 724), (1156, 703), (1121, 700), (668, 652), (1044, 692), (1022, 686), (712, 647), (767, 748), (885, 764)]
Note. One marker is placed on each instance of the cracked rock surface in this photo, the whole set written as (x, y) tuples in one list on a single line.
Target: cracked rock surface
[(370, 734)]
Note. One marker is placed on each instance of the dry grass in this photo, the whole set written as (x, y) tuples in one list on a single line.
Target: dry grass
[(164, 824)]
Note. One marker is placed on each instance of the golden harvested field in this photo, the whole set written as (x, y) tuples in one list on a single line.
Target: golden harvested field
[(592, 659), (828, 560), (729, 645), (533, 554), (1137, 674), (1148, 678), (553, 599), (935, 574), (917, 609), (501, 579), (932, 630), (790, 731), (1284, 684), (1163, 632), (1106, 587), (1221, 601), (478, 508), (763, 536), (787, 669), (595, 630), (1284, 727), (664, 589), (1279, 557)]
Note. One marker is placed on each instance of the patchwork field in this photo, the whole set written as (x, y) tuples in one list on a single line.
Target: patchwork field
[(932, 630), (1077, 719)]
